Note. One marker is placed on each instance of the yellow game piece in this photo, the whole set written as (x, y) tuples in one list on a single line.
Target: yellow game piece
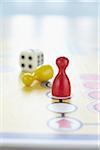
[(41, 74)]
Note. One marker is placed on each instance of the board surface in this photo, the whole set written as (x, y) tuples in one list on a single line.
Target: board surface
[(28, 113)]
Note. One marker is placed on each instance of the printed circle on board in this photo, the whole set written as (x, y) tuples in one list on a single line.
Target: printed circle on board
[(62, 107), (92, 85), (94, 95), (64, 124), (94, 107), (90, 77)]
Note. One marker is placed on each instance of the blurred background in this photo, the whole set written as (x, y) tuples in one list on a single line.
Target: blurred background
[(55, 25)]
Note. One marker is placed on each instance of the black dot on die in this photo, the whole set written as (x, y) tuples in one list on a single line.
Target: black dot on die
[(22, 56), (38, 61), (30, 66), (23, 65), (38, 57), (30, 58), (42, 60), (42, 55)]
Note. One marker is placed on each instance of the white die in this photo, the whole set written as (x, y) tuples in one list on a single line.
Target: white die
[(30, 59)]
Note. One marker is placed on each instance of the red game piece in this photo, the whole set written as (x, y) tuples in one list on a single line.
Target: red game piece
[(61, 85)]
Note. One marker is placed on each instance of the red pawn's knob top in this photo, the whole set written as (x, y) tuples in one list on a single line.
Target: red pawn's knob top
[(62, 62), (61, 85)]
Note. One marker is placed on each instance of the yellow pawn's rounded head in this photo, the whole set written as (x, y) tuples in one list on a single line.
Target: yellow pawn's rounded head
[(27, 79)]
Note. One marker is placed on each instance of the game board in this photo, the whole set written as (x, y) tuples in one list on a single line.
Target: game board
[(29, 118), (28, 113)]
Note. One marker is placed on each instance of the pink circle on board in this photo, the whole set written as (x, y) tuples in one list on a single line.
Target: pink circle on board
[(97, 107), (90, 77), (64, 124), (94, 95), (94, 107), (92, 85)]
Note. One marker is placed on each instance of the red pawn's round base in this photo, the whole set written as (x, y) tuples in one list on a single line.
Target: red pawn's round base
[(55, 97)]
